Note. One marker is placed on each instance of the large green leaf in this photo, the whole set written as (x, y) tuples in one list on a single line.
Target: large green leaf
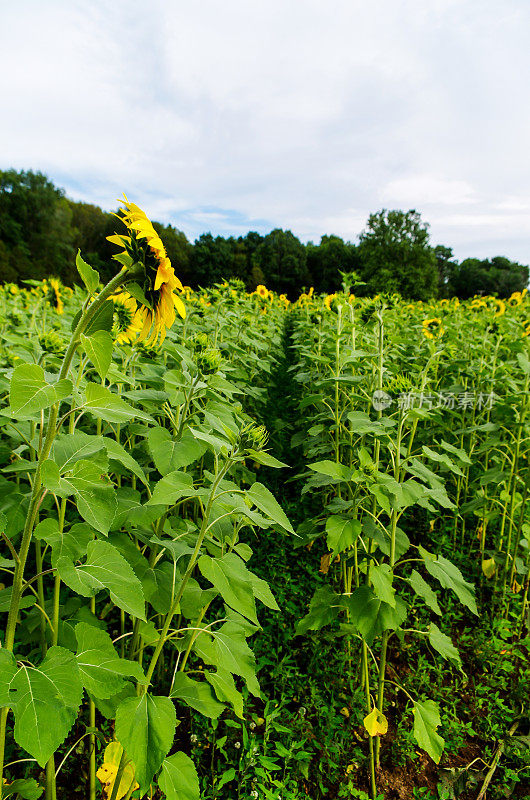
[(170, 454), (8, 670), (443, 645), (23, 788), (178, 779), (197, 695), (30, 392), (45, 701), (333, 470), (225, 689), (382, 577), (423, 590), (72, 543), (323, 609), (229, 575), (102, 671), (107, 405), (98, 347), (171, 488), (341, 532), (71, 447), (95, 496), (371, 616), (145, 727), (426, 720), (105, 568), (228, 650), (88, 274), (116, 452), (450, 577), (263, 499)]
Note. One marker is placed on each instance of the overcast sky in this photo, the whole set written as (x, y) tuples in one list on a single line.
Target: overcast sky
[(236, 115)]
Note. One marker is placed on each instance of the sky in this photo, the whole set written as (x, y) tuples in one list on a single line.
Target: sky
[(237, 115)]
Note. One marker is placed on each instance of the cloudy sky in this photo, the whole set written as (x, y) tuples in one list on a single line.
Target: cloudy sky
[(230, 115)]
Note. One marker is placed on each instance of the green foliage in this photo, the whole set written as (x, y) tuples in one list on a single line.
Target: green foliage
[(396, 257)]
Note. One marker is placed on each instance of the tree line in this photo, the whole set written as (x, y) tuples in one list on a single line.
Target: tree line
[(41, 230)]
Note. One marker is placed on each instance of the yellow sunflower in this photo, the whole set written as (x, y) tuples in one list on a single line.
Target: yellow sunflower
[(329, 299), (54, 295), (128, 321), (526, 328), (432, 328), (144, 246), (500, 307), (515, 299), (262, 291)]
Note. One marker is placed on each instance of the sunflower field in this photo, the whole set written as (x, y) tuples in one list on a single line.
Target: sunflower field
[(255, 547)]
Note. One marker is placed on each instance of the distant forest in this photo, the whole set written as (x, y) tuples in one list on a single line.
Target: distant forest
[(41, 230)]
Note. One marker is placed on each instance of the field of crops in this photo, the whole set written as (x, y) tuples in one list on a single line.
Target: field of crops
[(261, 548)]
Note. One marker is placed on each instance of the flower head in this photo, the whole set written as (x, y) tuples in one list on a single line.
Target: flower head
[(143, 246), (432, 328), (54, 295), (262, 291), (128, 321)]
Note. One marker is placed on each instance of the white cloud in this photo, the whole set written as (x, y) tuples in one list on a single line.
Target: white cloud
[(294, 113)]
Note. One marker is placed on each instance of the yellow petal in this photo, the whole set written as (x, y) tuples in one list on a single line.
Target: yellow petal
[(376, 723), (179, 305)]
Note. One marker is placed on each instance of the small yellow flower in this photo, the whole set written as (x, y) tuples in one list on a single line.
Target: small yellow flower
[(262, 291), (432, 328)]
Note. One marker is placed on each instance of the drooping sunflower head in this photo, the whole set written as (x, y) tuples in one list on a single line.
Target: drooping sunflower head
[(128, 321), (330, 301), (143, 246), (54, 295), (432, 328)]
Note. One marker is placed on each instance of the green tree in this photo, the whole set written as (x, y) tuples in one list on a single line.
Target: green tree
[(282, 259), (36, 228), (498, 276), (396, 257), (212, 259), (328, 259), (446, 266)]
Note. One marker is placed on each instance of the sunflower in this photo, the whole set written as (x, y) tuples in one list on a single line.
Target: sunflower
[(262, 291), (478, 303), (54, 295), (144, 246), (500, 307), (432, 328), (515, 299), (128, 321), (526, 328), (328, 300)]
